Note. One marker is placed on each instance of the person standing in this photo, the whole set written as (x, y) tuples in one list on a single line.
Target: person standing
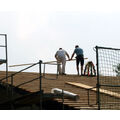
[(79, 58), (61, 58)]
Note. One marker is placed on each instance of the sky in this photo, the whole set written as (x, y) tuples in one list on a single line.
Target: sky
[(36, 29)]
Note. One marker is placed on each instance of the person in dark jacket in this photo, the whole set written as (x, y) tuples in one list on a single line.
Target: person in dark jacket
[(79, 58)]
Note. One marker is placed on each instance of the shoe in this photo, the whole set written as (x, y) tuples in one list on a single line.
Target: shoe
[(63, 74)]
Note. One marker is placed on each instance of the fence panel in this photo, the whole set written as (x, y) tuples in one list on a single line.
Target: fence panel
[(108, 65)]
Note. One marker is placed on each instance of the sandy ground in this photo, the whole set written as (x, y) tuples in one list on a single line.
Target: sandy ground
[(50, 81)]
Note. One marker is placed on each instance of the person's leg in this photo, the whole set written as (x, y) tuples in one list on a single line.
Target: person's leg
[(82, 64), (59, 66), (63, 65), (59, 69), (78, 69), (81, 70)]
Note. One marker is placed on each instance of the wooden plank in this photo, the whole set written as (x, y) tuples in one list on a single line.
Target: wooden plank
[(87, 107), (114, 94), (49, 62)]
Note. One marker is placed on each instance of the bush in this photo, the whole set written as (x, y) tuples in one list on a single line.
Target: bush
[(117, 69)]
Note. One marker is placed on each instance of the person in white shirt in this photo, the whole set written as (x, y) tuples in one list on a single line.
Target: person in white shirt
[(61, 58)]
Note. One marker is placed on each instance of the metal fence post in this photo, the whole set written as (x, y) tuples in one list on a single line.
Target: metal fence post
[(40, 86), (6, 57), (12, 106), (98, 84)]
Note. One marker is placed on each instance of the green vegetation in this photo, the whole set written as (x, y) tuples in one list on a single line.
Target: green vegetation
[(117, 69)]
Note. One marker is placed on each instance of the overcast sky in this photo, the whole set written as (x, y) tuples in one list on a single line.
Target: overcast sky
[(36, 29)]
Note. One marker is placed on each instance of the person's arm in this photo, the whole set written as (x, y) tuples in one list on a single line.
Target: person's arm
[(72, 55), (68, 56), (56, 55)]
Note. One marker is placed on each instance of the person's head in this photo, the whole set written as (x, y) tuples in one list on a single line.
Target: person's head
[(76, 46), (60, 48)]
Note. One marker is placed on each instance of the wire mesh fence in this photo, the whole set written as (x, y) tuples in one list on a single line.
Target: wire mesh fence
[(108, 64)]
